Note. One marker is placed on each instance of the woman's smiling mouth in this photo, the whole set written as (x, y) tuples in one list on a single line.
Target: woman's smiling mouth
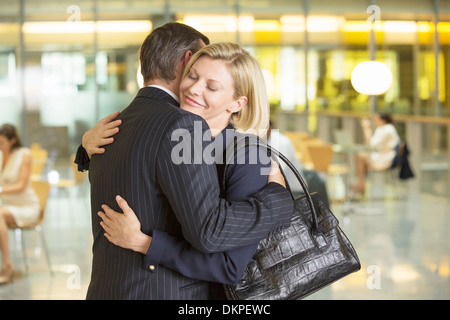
[(192, 102)]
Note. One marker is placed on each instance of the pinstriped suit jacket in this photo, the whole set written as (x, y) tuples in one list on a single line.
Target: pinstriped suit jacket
[(180, 199)]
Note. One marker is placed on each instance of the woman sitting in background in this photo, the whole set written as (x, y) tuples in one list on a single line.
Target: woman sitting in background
[(384, 141), (19, 204)]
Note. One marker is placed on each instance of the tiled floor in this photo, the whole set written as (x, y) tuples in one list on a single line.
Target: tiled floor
[(403, 245), (404, 250), (67, 230)]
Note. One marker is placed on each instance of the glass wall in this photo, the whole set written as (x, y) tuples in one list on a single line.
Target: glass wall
[(66, 64), (10, 71)]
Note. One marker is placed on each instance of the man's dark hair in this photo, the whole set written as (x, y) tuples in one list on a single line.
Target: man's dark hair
[(164, 48)]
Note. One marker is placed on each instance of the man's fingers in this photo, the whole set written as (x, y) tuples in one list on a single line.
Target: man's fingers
[(103, 214), (108, 236), (105, 221), (110, 213), (105, 227), (123, 205)]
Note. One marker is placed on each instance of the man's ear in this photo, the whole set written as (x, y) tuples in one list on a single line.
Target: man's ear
[(187, 56)]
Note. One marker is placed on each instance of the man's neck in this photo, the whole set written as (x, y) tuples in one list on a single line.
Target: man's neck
[(165, 86), (174, 88)]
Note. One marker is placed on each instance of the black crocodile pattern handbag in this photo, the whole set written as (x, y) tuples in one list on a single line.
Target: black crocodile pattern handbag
[(296, 261)]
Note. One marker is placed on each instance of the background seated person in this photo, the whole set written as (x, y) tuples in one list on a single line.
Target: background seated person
[(384, 141)]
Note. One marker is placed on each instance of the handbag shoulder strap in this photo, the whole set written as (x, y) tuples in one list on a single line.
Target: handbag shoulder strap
[(275, 155)]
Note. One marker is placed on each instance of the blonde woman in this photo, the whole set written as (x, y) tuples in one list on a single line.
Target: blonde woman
[(242, 76), (223, 84)]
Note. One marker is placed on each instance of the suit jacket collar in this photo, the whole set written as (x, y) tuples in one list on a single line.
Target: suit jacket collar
[(157, 94)]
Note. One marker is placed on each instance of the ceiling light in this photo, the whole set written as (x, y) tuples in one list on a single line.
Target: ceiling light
[(86, 26), (371, 78)]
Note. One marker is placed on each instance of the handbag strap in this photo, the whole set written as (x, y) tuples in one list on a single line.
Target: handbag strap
[(258, 142)]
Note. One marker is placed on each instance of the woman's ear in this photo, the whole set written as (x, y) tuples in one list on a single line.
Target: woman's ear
[(239, 104)]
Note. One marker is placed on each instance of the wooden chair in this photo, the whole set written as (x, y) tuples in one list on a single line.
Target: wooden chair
[(42, 189), (297, 138), (305, 150), (39, 158), (296, 135), (321, 156), (78, 177)]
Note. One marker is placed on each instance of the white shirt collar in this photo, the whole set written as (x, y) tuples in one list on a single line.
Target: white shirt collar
[(166, 90)]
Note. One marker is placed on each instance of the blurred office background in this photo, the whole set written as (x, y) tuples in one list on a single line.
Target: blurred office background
[(66, 64)]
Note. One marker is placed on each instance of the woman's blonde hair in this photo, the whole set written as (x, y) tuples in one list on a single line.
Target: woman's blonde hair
[(248, 81)]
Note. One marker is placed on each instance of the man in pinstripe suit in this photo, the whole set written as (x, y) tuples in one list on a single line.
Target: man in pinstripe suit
[(181, 199)]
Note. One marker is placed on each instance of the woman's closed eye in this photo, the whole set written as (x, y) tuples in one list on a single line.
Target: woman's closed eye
[(213, 85), (191, 76)]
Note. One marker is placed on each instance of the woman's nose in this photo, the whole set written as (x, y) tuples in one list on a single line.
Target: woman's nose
[(196, 88)]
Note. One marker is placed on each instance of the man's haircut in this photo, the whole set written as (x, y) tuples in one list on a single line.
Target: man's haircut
[(164, 48)]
